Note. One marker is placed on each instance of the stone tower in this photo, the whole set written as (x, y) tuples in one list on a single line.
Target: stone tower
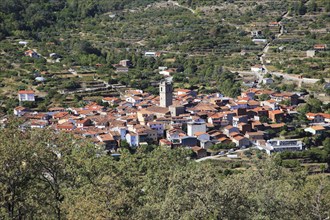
[(165, 93)]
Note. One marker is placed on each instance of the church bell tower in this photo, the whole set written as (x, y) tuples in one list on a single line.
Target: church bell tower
[(165, 93)]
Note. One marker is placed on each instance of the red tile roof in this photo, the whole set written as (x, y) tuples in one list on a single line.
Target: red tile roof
[(26, 92)]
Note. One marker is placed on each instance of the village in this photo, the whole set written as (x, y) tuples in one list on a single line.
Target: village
[(209, 124), (164, 109), (119, 106)]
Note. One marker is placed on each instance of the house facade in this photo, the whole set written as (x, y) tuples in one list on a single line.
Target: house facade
[(26, 96), (277, 145), (196, 126)]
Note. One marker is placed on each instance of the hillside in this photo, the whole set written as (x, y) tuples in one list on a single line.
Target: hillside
[(153, 109), (54, 176)]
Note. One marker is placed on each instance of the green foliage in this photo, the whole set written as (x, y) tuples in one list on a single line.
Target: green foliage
[(298, 7), (315, 155), (85, 47), (10, 104), (34, 172), (291, 164), (326, 146), (54, 176), (227, 84), (312, 6), (263, 97), (71, 84), (222, 146), (312, 105), (29, 105), (264, 119)]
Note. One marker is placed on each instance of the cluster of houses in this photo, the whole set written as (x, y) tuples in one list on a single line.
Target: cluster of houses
[(33, 54), (178, 118), (257, 34)]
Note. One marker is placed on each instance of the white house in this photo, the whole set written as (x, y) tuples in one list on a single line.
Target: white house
[(275, 145), (121, 130), (239, 119), (165, 73), (152, 54), (195, 126), (54, 55), (111, 100), (162, 68), (257, 68), (310, 53), (20, 111), (267, 81), (241, 141), (83, 123), (316, 130), (158, 126), (174, 135), (255, 33), (202, 136), (315, 117), (258, 41), (134, 99), (26, 96), (230, 129), (31, 53), (23, 43), (233, 156), (132, 139), (184, 92), (125, 63), (39, 123), (270, 103)]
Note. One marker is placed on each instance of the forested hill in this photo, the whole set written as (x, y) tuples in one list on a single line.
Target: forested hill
[(23, 15)]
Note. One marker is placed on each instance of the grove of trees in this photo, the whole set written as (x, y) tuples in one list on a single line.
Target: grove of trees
[(45, 175)]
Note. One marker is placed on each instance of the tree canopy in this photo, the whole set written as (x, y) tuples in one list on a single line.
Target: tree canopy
[(55, 176)]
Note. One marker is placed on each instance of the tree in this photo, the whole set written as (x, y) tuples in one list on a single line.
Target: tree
[(35, 171), (264, 119), (286, 102), (85, 47), (312, 105), (16, 175), (47, 175), (321, 81), (220, 146), (326, 145), (71, 84), (263, 97), (312, 6), (316, 196), (302, 8), (327, 7)]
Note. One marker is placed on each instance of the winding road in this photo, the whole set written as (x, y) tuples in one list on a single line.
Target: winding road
[(290, 77), (285, 76)]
